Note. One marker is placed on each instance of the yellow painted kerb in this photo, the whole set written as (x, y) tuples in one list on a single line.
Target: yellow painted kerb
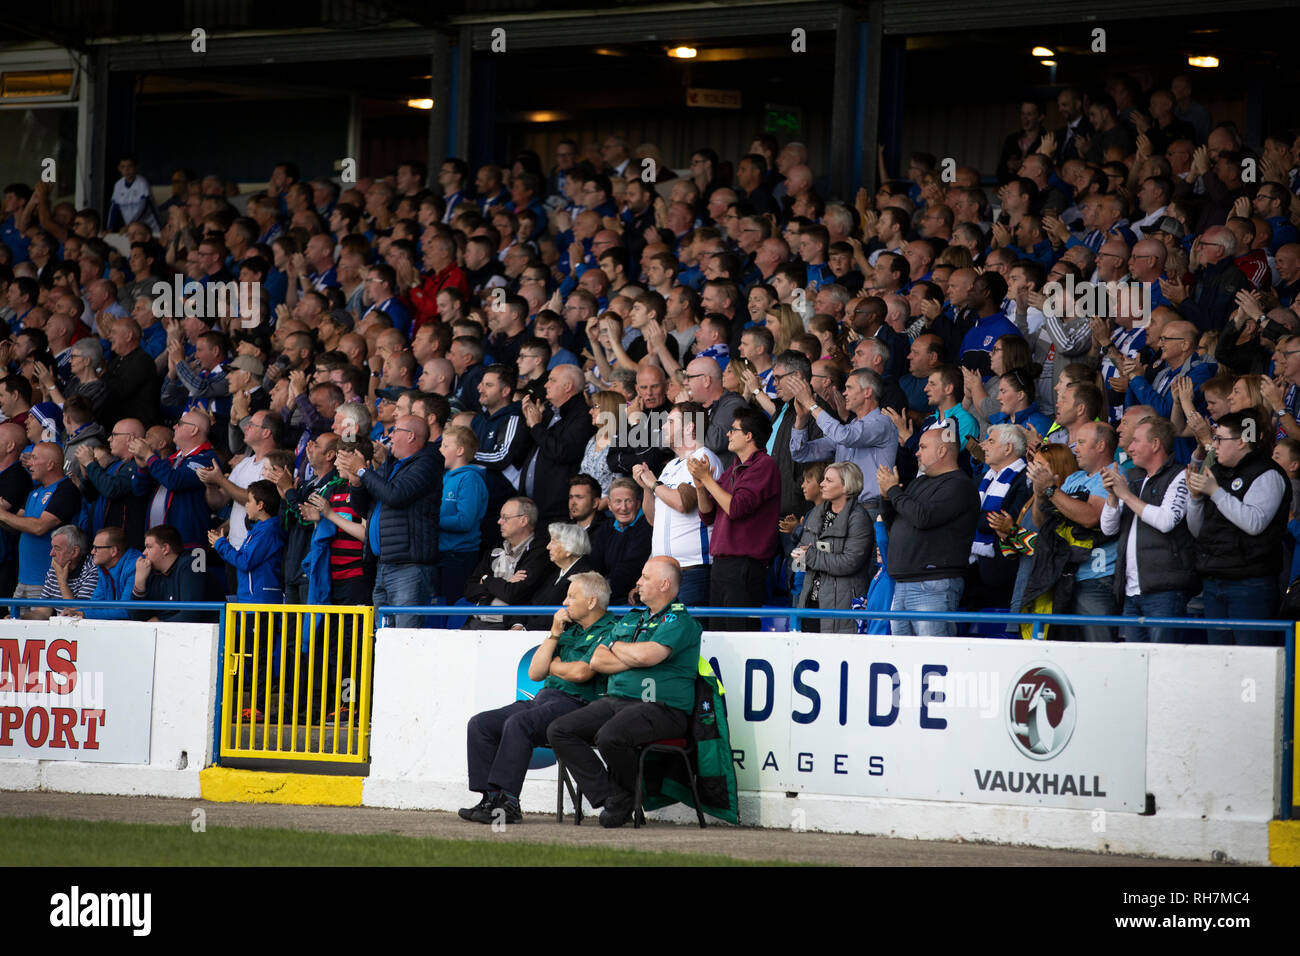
[(1284, 842), (226, 785)]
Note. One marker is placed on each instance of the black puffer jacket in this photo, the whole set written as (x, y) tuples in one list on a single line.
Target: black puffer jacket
[(408, 504)]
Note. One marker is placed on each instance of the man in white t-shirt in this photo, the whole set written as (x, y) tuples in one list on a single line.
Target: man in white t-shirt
[(670, 502), (261, 433)]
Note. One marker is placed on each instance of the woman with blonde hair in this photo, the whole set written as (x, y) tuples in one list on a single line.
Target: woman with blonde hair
[(835, 548), (785, 325), (606, 413)]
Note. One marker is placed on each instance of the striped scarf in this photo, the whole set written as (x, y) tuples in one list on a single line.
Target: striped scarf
[(993, 488)]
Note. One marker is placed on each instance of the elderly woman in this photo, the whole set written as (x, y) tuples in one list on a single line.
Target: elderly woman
[(568, 550), (86, 360), (620, 546), (836, 548), (1003, 489)]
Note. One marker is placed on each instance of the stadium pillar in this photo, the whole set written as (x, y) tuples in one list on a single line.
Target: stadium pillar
[(440, 67), (870, 113), (461, 92), (845, 125)]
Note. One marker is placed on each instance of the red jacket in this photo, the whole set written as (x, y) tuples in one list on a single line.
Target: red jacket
[(424, 297)]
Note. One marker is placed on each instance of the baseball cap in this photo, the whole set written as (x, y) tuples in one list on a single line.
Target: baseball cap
[(247, 363), (1166, 224), (51, 418), (390, 394), (343, 318)]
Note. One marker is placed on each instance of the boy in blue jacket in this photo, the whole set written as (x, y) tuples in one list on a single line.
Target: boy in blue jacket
[(260, 573), (460, 517), (259, 559)]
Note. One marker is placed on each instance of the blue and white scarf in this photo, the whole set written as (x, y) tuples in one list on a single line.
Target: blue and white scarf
[(993, 488)]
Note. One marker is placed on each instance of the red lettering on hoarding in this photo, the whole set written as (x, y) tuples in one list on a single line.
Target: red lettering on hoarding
[(92, 720), (34, 739), (11, 718), (65, 718), (20, 674), (61, 658)]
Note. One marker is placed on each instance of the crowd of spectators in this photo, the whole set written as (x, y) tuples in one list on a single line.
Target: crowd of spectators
[(476, 386)]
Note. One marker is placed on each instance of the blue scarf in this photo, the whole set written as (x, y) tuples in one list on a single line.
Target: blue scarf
[(993, 488)]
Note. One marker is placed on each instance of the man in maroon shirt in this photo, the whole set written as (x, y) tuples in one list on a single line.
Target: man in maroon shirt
[(743, 506)]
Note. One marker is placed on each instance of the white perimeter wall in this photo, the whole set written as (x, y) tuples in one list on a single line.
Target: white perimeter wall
[(1213, 751), (184, 681), (1213, 744)]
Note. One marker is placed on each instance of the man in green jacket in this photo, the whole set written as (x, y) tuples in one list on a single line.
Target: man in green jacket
[(501, 741), (650, 660)]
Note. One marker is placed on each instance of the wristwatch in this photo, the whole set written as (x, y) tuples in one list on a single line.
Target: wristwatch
[(814, 409), (1050, 490)]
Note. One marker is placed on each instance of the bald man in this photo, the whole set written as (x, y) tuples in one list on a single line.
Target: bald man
[(649, 660), (560, 430), (402, 532), (181, 498), (114, 485), (1177, 348), (53, 502)]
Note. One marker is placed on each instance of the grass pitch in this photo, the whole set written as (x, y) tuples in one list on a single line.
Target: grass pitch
[(41, 841)]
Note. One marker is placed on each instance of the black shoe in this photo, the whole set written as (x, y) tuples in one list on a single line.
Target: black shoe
[(502, 807), (470, 813), (613, 818), (617, 810)]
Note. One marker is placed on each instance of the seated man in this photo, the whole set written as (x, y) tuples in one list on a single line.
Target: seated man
[(650, 659), (509, 574), (501, 741), (166, 573)]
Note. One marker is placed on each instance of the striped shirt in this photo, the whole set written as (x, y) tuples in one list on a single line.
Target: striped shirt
[(82, 582)]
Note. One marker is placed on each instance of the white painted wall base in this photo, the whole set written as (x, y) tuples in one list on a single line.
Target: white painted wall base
[(184, 684)]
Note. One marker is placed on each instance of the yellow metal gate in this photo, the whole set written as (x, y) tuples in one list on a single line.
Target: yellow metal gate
[(295, 682)]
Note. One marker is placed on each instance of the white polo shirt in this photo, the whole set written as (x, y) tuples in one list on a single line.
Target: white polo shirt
[(682, 536)]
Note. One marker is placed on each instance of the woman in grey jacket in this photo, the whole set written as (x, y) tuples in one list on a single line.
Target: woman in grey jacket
[(836, 547)]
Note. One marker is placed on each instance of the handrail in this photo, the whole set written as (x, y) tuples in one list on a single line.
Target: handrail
[(797, 614)]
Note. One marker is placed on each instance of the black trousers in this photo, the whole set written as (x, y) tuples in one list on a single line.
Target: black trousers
[(736, 582), (617, 726), (500, 742)]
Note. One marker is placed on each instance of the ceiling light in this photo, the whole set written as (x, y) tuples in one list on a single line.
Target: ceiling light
[(422, 104), (1205, 62), (1042, 51), (682, 52), (1048, 62)]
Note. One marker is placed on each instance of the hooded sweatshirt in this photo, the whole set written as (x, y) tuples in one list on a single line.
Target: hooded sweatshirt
[(464, 506)]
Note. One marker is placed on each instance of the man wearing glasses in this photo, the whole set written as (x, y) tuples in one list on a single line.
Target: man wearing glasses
[(402, 530), (1238, 513), (1218, 280), (180, 499), (113, 481), (1177, 345), (511, 573)]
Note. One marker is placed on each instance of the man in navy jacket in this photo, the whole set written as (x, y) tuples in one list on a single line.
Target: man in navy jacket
[(403, 524)]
